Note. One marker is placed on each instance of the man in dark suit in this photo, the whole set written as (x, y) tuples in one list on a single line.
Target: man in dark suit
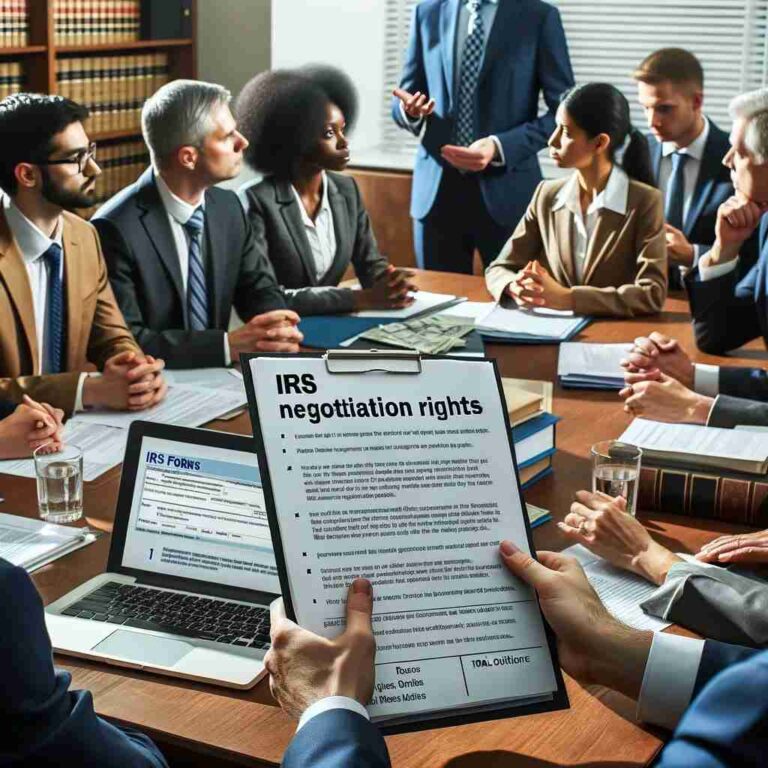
[(662, 381), (180, 252), (710, 693), (687, 151), (44, 722), (471, 82)]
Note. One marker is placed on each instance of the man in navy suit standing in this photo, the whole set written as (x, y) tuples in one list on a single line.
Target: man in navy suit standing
[(687, 151), (711, 693), (470, 88)]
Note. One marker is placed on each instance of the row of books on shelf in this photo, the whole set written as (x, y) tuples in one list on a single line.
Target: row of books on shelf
[(93, 22), (121, 164), (114, 88), (11, 78), (14, 23)]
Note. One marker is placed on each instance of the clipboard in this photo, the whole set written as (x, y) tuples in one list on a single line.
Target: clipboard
[(400, 363)]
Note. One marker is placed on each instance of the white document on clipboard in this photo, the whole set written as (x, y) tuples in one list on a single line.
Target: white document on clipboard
[(405, 478)]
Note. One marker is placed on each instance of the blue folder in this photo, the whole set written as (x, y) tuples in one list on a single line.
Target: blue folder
[(514, 338)]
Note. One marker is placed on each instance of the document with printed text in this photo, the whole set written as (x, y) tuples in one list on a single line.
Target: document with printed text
[(407, 480)]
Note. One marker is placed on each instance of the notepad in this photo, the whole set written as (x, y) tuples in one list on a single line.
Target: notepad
[(34, 543), (592, 366), (539, 326), (423, 301), (691, 445)]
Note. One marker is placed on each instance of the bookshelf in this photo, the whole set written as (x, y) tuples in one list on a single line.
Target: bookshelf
[(54, 60)]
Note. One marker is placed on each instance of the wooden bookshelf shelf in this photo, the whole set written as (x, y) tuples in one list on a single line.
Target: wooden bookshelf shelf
[(115, 135), (135, 45), (27, 50)]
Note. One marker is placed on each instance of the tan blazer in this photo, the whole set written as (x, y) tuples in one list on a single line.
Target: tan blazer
[(625, 270), (95, 329)]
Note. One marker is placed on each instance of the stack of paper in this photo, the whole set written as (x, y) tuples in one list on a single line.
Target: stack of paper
[(523, 326), (205, 394), (592, 366)]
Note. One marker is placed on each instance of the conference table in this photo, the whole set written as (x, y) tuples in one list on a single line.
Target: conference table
[(198, 724)]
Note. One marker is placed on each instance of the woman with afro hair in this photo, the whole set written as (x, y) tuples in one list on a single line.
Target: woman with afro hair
[(310, 218)]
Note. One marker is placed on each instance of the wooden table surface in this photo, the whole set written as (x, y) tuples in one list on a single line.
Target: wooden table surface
[(206, 725)]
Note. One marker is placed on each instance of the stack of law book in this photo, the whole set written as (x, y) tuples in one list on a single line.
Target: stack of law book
[(703, 472), (591, 366), (524, 326), (121, 164), (529, 404), (114, 88), (11, 78), (14, 23), (94, 22)]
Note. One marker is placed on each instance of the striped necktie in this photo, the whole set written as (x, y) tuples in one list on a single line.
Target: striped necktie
[(197, 293), (54, 339), (471, 56)]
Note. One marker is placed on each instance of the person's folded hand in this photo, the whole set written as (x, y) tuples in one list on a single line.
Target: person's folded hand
[(666, 399), (747, 548), (659, 352)]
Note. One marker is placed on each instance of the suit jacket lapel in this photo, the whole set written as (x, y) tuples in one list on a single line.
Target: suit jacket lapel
[(289, 209), (500, 40), (708, 171), (155, 221), (608, 226), (564, 238), (449, 18), (14, 273), (74, 281), (343, 230)]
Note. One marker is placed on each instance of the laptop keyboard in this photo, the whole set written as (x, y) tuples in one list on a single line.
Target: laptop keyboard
[(205, 618)]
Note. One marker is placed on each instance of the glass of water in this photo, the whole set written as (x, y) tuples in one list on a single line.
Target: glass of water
[(59, 484), (616, 470)]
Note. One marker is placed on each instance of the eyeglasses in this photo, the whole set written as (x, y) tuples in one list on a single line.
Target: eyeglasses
[(80, 159)]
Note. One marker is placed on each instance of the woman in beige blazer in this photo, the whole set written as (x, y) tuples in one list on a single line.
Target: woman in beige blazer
[(592, 242)]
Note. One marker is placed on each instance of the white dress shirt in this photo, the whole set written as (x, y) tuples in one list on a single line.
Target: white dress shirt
[(179, 213), (613, 197), (33, 243), (320, 232), (666, 691)]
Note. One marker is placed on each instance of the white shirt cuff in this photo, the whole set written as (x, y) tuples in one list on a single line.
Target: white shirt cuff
[(718, 270), (328, 703), (227, 351), (413, 122), (501, 160), (79, 393), (669, 679), (706, 379)]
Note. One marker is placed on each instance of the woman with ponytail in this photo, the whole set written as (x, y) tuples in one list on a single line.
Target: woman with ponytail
[(592, 242)]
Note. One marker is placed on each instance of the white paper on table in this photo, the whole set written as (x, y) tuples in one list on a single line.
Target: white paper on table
[(423, 300), (184, 406), (469, 310), (551, 323), (621, 591), (601, 360), (699, 441), (212, 378)]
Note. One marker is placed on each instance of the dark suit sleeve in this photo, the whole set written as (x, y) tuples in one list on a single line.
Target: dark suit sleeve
[(743, 382), (338, 738), (179, 347), (555, 76), (729, 412), (725, 724), (413, 78), (6, 408), (44, 722)]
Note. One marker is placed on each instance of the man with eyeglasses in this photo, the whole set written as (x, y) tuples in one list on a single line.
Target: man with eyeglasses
[(58, 314)]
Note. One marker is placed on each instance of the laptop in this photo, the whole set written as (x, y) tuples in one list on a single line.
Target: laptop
[(191, 570)]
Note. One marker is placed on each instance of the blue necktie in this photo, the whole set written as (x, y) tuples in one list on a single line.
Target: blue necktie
[(197, 293), (54, 341), (471, 56), (673, 210)]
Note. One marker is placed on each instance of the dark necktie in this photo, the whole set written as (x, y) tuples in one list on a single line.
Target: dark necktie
[(673, 211), (54, 341), (197, 293), (471, 56)]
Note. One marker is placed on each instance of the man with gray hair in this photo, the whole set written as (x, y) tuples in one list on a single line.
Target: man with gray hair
[(662, 382), (180, 251)]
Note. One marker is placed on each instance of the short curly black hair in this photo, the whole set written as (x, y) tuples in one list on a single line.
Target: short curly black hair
[(282, 114)]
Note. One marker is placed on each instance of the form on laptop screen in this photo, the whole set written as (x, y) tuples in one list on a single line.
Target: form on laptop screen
[(198, 512)]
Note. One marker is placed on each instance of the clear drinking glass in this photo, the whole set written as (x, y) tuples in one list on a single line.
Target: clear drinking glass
[(616, 470), (59, 484)]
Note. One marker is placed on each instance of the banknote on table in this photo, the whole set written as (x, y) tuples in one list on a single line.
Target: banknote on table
[(432, 335)]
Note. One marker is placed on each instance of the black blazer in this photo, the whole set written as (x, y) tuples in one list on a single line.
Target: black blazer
[(713, 188), (144, 270), (279, 231)]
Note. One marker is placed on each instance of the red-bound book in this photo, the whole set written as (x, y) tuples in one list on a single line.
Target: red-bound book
[(730, 496)]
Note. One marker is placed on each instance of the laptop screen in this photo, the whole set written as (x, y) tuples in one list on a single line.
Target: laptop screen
[(198, 512)]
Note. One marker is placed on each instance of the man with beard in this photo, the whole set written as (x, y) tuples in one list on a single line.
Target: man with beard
[(57, 311)]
